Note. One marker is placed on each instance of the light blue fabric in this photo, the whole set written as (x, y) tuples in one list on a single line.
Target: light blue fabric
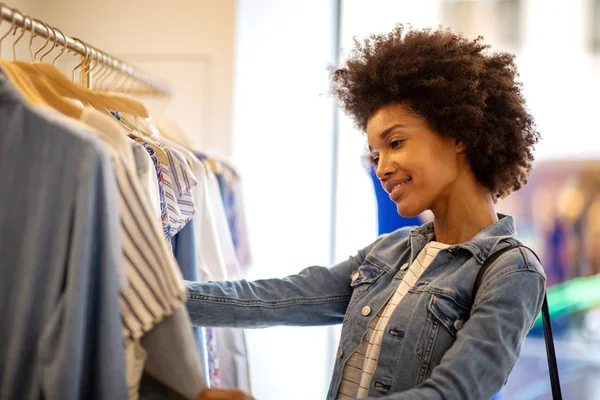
[(184, 249), (441, 344), (60, 336)]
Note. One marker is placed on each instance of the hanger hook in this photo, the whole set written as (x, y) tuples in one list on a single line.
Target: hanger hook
[(106, 62), (113, 82), (64, 47), (109, 71), (31, 37), (14, 46), (101, 71), (12, 26), (82, 61), (47, 40), (53, 44), (87, 67), (98, 59)]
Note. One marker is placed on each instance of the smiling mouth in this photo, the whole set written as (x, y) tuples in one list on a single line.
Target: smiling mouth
[(398, 186), (397, 190)]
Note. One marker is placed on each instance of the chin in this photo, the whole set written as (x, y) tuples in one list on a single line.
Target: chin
[(409, 211)]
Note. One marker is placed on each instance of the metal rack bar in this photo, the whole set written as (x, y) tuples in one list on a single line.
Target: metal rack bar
[(24, 21)]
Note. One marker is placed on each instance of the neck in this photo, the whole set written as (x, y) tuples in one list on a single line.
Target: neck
[(463, 213)]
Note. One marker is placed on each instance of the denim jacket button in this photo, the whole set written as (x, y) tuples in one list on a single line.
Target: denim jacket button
[(340, 353), (458, 324), (366, 310), (403, 267)]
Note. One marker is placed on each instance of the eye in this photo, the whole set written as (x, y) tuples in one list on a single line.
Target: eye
[(374, 159), (396, 143)]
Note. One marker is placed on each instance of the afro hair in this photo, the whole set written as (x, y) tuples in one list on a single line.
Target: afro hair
[(460, 89)]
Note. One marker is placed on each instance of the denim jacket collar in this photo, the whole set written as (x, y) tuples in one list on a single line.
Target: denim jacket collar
[(483, 243)]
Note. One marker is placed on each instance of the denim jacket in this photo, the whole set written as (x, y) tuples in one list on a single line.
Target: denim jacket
[(440, 342)]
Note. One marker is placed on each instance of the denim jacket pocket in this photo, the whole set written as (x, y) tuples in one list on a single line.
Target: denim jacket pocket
[(362, 279), (449, 313), (445, 317)]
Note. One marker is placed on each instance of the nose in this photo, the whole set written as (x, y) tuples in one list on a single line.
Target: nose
[(385, 168)]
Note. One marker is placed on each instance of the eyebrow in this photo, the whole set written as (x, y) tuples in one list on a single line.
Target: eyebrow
[(387, 132)]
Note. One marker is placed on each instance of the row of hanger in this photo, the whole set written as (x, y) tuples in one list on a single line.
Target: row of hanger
[(42, 83)]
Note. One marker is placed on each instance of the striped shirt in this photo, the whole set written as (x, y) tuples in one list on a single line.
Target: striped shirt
[(179, 181), (154, 286), (164, 214), (360, 367)]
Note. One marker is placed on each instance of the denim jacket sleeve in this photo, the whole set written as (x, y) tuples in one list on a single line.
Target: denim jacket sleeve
[(488, 345), (315, 296)]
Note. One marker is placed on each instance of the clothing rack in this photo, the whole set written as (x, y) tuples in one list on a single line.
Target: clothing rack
[(147, 83)]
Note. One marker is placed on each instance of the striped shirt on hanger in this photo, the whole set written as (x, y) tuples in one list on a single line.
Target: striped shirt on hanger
[(154, 283), (164, 215), (179, 181)]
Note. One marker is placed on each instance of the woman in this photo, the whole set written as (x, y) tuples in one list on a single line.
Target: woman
[(448, 131)]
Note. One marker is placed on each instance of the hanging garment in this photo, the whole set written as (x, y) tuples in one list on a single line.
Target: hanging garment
[(193, 167), (59, 239), (178, 367), (161, 187), (151, 270), (172, 361), (215, 202), (179, 182), (184, 249), (146, 174), (242, 246), (216, 251)]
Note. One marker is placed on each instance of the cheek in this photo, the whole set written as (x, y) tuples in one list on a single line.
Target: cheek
[(439, 171)]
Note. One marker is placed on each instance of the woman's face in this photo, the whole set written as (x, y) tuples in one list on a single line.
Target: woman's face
[(415, 165)]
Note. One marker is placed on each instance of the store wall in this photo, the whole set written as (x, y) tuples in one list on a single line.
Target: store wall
[(188, 43)]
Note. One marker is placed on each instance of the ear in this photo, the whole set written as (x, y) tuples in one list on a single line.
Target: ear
[(459, 147)]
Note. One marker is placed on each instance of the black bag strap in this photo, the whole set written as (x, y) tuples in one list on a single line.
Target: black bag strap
[(552, 364)]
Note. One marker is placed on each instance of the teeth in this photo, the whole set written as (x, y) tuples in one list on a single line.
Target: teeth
[(401, 184)]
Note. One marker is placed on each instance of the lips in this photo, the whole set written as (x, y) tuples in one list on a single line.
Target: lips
[(391, 186)]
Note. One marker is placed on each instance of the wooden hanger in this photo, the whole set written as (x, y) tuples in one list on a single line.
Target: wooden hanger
[(46, 91), (98, 100), (46, 95), (19, 80), (161, 154), (21, 83), (66, 87)]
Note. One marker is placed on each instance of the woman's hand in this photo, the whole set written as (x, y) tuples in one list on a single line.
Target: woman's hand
[(223, 394)]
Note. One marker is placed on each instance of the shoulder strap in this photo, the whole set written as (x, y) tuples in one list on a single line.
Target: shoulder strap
[(552, 364), (488, 263)]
